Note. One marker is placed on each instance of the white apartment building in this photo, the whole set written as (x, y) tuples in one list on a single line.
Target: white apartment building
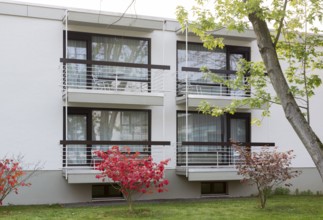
[(74, 81)]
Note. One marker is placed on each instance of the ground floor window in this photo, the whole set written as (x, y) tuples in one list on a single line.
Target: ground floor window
[(207, 140), (213, 188), (94, 129), (105, 191)]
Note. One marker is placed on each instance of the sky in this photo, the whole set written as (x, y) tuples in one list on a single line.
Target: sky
[(156, 8)]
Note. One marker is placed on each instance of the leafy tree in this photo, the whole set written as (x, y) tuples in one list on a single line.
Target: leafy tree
[(266, 169), (12, 177), (295, 39), (132, 172)]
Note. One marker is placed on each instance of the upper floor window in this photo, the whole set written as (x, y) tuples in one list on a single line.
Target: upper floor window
[(223, 62), (108, 62)]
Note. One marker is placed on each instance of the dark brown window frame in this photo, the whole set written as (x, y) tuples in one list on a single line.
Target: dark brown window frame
[(229, 49), (89, 142), (87, 37)]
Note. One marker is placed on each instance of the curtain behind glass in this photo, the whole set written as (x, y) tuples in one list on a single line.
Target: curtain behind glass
[(238, 130), (234, 61), (76, 72), (201, 128), (76, 154), (117, 49), (119, 126)]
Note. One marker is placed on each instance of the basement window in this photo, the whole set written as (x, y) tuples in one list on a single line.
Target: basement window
[(213, 188), (106, 192)]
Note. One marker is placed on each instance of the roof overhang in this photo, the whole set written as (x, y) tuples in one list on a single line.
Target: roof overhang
[(87, 17)]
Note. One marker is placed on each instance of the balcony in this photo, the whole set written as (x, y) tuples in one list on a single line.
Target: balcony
[(210, 161), (79, 158), (193, 88), (101, 82)]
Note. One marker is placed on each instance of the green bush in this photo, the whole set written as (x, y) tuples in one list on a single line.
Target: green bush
[(281, 191)]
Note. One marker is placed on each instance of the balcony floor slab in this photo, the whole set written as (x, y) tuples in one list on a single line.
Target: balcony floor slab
[(114, 97), (209, 173)]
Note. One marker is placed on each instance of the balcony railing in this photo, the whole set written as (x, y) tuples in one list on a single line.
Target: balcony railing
[(81, 154), (112, 76), (198, 84), (211, 154)]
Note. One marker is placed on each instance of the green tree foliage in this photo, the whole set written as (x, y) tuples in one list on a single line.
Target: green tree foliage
[(295, 38)]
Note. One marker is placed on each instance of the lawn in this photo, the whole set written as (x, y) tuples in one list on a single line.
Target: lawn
[(278, 207)]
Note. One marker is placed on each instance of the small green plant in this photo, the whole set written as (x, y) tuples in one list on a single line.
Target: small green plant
[(297, 192), (281, 191), (306, 193)]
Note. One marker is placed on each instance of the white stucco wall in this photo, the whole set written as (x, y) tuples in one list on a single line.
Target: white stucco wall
[(31, 109), (31, 119)]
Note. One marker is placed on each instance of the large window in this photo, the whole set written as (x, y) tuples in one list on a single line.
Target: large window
[(208, 138), (223, 62), (112, 62), (105, 125)]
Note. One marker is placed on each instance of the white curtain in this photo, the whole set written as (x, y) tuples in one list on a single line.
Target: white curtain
[(119, 126), (76, 72), (76, 154), (117, 49), (201, 128)]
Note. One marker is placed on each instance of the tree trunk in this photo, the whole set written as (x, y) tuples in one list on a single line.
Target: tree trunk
[(292, 111), (262, 199)]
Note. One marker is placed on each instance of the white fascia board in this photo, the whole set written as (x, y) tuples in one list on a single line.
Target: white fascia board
[(247, 35), (116, 19), (48, 13), (86, 17), (13, 9)]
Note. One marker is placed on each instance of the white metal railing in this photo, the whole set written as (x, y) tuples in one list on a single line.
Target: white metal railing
[(197, 84), (105, 78), (83, 157), (212, 154), (215, 156)]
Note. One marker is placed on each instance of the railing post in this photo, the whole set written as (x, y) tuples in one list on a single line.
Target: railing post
[(66, 164), (116, 86), (186, 156)]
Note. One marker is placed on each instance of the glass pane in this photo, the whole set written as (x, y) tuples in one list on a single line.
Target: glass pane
[(76, 127), (76, 154), (76, 73), (236, 92), (234, 60), (238, 130), (120, 78), (218, 188), (76, 49), (120, 125), (205, 188), (198, 56), (120, 49), (201, 128)]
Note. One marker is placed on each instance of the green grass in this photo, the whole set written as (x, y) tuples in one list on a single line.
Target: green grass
[(278, 207)]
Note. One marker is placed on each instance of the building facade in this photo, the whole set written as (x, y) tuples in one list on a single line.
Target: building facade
[(75, 81)]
